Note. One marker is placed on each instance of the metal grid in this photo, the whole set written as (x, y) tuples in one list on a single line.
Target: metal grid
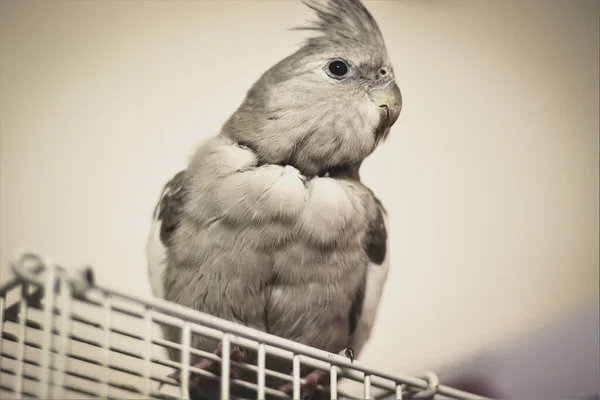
[(64, 337)]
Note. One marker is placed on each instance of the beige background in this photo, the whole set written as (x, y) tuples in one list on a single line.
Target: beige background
[(490, 175)]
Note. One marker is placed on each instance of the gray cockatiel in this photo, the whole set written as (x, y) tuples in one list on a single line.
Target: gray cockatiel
[(269, 225)]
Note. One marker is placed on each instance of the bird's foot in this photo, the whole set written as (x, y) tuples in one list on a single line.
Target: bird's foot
[(311, 381), (214, 366), (348, 353), (309, 387)]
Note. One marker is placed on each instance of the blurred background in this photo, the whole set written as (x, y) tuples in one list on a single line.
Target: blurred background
[(490, 176)]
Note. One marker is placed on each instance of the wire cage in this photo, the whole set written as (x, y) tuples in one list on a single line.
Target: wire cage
[(64, 336)]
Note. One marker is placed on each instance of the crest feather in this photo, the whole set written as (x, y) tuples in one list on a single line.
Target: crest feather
[(341, 21)]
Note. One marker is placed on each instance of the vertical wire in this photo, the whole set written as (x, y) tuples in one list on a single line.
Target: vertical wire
[(296, 376), (106, 344), (261, 371), (21, 341), (64, 300), (333, 384), (367, 387), (398, 391), (185, 361), (225, 366), (2, 307), (148, 350), (44, 388)]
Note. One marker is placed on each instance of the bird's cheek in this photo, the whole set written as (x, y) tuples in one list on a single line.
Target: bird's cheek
[(371, 116)]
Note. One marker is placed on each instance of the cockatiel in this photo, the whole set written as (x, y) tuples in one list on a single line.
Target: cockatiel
[(269, 225)]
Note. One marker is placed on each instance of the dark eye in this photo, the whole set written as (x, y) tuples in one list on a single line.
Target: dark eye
[(337, 69)]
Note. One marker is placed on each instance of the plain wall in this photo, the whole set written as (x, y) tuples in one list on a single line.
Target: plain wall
[(490, 175)]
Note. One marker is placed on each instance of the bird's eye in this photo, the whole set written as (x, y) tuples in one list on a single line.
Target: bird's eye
[(337, 69)]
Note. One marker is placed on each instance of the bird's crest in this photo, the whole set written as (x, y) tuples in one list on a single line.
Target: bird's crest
[(343, 21)]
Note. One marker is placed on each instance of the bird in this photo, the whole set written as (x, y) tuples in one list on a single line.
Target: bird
[(269, 225)]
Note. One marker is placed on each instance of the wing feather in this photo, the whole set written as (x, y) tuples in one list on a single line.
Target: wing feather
[(364, 312), (165, 219)]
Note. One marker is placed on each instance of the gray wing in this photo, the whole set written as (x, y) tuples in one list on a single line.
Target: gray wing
[(165, 219), (366, 303)]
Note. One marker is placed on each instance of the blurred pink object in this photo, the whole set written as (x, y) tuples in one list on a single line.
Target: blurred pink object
[(559, 361)]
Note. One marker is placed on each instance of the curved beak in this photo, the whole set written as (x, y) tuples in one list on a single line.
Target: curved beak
[(390, 99)]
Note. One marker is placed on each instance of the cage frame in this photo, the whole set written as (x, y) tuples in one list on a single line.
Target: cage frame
[(56, 289)]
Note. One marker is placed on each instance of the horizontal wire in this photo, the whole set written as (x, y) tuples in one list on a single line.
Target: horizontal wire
[(357, 377), (197, 371), (350, 370), (197, 317), (24, 392), (66, 386), (167, 363)]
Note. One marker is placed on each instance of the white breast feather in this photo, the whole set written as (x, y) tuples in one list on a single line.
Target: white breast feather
[(156, 254)]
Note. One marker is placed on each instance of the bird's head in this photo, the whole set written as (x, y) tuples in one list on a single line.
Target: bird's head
[(330, 103)]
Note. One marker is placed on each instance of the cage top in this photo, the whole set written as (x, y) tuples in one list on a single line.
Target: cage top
[(79, 285)]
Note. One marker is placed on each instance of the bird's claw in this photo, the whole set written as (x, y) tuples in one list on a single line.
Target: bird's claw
[(315, 378), (214, 366), (348, 353), (309, 387)]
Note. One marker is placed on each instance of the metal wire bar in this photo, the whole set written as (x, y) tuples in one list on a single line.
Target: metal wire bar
[(147, 354), (36, 379), (367, 387), (261, 371), (31, 275), (238, 383), (21, 342), (167, 363), (90, 378), (26, 393), (84, 360), (185, 360), (215, 334), (65, 325), (44, 388), (398, 392), (296, 374), (202, 330), (106, 344), (2, 307), (333, 382), (225, 366), (6, 287), (197, 317), (33, 270), (348, 374), (72, 388), (33, 301)]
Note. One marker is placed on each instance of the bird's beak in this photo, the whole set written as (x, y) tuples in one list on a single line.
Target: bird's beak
[(390, 99)]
